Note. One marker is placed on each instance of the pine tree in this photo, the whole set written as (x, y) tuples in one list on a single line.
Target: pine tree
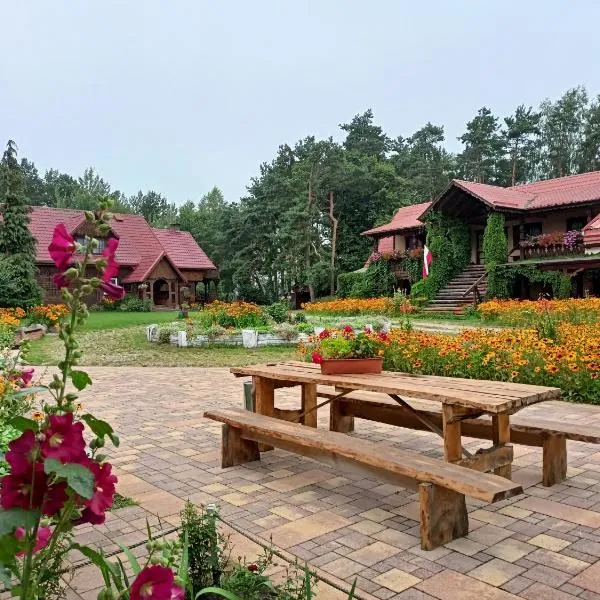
[(17, 245), (522, 133)]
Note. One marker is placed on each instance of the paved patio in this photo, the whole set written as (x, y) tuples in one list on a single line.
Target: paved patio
[(542, 545)]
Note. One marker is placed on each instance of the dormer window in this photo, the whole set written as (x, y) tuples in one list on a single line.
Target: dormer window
[(80, 239)]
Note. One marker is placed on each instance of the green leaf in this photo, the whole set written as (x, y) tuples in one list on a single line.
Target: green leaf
[(79, 478), (23, 424), (27, 391), (100, 428), (8, 547), (351, 596), (218, 592), (183, 566), (135, 565), (80, 379), (17, 517), (97, 559)]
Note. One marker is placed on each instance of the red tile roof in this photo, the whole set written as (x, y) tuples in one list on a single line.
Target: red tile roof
[(563, 191), (406, 217), (139, 244), (591, 232), (183, 249)]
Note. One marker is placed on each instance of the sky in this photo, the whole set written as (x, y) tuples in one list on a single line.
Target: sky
[(181, 95)]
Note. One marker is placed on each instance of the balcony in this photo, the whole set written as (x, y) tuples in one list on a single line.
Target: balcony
[(552, 245)]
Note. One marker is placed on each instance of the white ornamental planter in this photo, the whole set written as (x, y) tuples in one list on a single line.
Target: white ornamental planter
[(318, 330), (249, 338), (152, 333)]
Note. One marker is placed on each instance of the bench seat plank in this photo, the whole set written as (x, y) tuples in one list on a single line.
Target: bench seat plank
[(380, 459)]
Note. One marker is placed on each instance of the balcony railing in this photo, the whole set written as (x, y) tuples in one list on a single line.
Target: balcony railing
[(551, 245)]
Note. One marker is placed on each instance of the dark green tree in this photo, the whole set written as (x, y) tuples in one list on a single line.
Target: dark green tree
[(590, 146), (17, 245), (364, 137), (522, 139), (484, 149), (153, 206)]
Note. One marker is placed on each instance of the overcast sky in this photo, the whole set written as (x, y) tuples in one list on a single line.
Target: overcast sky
[(178, 96)]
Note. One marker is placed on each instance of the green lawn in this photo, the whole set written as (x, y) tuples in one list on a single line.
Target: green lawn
[(127, 346), (98, 321)]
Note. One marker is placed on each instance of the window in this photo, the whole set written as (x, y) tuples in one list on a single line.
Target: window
[(533, 229), (80, 239), (576, 223)]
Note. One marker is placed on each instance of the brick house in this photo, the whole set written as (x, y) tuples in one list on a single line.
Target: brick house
[(154, 263), (536, 217)]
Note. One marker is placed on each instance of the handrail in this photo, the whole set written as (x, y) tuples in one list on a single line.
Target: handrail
[(475, 284)]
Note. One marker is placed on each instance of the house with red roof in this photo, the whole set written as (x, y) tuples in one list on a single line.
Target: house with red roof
[(537, 217), (153, 263)]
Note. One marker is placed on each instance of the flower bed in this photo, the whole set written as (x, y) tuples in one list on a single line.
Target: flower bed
[(238, 315), (572, 362), (47, 314), (399, 304), (527, 312)]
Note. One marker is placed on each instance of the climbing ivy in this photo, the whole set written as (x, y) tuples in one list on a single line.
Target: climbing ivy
[(502, 277), (449, 241), (495, 244)]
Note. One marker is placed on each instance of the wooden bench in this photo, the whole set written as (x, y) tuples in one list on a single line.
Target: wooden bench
[(525, 429), (442, 486)]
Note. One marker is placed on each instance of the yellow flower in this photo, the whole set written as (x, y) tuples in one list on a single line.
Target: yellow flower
[(37, 415)]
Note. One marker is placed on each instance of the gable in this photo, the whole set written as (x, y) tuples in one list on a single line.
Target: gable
[(162, 270)]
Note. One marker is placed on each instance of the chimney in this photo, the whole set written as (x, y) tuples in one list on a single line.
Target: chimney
[(174, 226)]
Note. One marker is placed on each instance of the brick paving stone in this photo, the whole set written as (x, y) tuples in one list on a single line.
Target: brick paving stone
[(539, 591), (510, 550), (558, 561), (397, 580), (516, 585), (589, 579), (458, 562), (374, 553), (548, 575), (496, 572), (450, 585), (548, 542)]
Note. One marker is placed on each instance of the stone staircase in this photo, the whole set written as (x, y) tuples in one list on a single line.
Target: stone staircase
[(451, 298)]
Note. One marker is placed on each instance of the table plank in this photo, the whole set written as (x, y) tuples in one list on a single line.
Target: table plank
[(485, 396)]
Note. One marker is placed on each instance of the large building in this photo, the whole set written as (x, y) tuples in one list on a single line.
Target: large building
[(153, 263), (537, 215)]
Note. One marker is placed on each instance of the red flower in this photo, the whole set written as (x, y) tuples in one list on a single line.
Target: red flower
[(104, 492), (30, 490), (112, 290), (62, 247), (252, 568), (112, 267), (43, 537), (317, 358), (348, 329), (26, 375), (63, 439), (60, 281), (324, 334), (22, 453), (154, 583), (383, 336)]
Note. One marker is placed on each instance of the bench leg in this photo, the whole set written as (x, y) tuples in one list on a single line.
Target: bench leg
[(338, 421), (501, 437), (264, 398), (309, 403), (443, 515), (235, 450), (555, 460)]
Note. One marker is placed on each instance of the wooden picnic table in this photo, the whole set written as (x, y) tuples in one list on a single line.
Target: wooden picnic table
[(460, 399)]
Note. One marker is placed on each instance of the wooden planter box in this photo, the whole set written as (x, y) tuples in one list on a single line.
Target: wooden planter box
[(351, 366)]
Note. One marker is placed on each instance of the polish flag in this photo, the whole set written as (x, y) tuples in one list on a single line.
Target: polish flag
[(427, 260)]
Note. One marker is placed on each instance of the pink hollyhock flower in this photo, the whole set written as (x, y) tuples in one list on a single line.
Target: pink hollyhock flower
[(104, 492), (62, 247), (153, 583), (60, 281), (22, 453), (63, 439), (43, 537), (177, 593), (317, 358), (26, 375), (112, 289), (112, 267)]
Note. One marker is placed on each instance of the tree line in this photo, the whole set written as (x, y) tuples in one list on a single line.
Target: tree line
[(301, 218)]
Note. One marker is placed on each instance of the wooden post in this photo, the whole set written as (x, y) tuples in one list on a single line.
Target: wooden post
[(521, 238), (309, 402), (264, 399), (338, 421), (235, 450), (443, 515), (452, 436), (555, 460), (500, 437)]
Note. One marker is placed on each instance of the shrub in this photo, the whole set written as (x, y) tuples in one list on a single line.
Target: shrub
[(18, 284), (278, 311), (286, 331), (346, 282), (215, 332), (495, 244)]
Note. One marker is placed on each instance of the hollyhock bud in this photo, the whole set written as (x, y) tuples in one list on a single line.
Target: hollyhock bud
[(62, 247)]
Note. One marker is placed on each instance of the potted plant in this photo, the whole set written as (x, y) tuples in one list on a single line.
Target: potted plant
[(348, 352)]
